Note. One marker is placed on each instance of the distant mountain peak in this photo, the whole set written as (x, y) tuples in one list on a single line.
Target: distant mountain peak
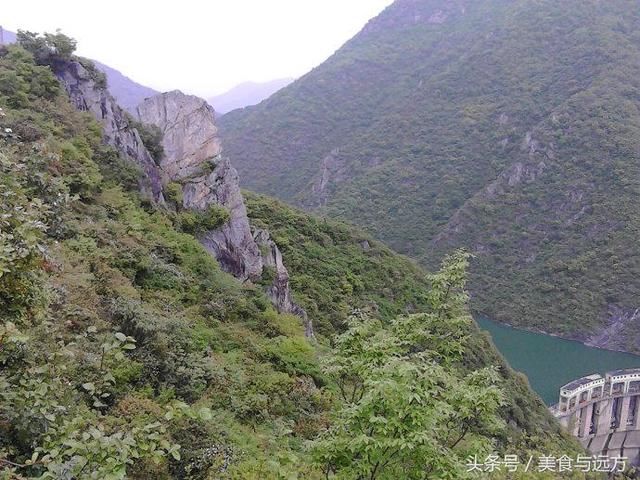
[(246, 94)]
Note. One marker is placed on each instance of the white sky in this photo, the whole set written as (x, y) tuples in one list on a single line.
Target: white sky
[(202, 47)]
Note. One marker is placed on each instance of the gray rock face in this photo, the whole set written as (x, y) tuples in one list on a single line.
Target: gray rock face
[(332, 171), (622, 323), (279, 292), (190, 136), (232, 244), (193, 158), (88, 96)]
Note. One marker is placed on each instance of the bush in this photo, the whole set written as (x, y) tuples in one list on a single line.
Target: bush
[(197, 222), (173, 194), (49, 47), (151, 136)]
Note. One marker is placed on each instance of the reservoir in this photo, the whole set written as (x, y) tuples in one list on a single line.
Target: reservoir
[(550, 362)]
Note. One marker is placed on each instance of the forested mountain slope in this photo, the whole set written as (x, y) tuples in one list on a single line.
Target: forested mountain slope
[(126, 351), (508, 127)]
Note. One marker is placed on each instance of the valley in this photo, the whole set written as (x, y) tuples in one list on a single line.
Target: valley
[(385, 269)]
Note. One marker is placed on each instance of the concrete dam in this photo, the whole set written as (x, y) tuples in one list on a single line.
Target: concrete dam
[(603, 412)]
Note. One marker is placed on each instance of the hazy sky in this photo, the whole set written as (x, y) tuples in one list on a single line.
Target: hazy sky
[(202, 47)]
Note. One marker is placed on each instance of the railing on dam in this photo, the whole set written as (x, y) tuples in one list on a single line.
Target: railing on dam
[(603, 412)]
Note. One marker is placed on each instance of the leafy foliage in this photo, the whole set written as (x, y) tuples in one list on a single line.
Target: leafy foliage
[(119, 334), (48, 47), (197, 221), (333, 266), (407, 411)]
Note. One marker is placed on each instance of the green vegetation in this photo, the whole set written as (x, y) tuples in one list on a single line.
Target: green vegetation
[(195, 221), (414, 120), (405, 413), (151, 136), (335, 268), (123, 346), (47, 48), (125, 352)]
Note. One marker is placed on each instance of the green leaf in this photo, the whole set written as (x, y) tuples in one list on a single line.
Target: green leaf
[(205, 414)]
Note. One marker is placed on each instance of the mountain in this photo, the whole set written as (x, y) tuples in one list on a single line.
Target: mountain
[(8, 37), (247, 93), (127, 92), (510, 128), (140, 337)]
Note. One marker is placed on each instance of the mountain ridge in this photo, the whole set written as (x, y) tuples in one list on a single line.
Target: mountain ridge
[(127, 92), (247, 94)]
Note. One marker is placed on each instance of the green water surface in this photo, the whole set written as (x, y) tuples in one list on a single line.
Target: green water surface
[(551, 362)]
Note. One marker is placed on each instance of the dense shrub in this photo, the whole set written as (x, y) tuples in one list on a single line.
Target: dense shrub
[(197, 221)]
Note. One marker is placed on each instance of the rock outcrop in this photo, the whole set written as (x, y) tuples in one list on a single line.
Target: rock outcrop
[(87, 94), (192, 158), (279, 292), (190, 136)]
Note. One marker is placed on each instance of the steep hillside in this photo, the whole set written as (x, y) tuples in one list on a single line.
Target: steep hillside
[(507, 127), (127, 352), (248, 93), (335, 268)]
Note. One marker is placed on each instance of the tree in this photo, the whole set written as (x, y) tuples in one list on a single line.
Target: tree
[(63, 46), (49, 47), (407, 408)]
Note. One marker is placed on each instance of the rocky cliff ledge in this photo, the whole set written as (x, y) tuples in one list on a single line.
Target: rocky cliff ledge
[(192, 158), (87, 94)]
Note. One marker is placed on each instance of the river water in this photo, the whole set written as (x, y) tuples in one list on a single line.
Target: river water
[(550, 362)]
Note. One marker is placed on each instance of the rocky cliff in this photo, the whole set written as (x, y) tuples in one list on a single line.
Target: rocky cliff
[(88, 93), (192, 158), (279, 292)]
